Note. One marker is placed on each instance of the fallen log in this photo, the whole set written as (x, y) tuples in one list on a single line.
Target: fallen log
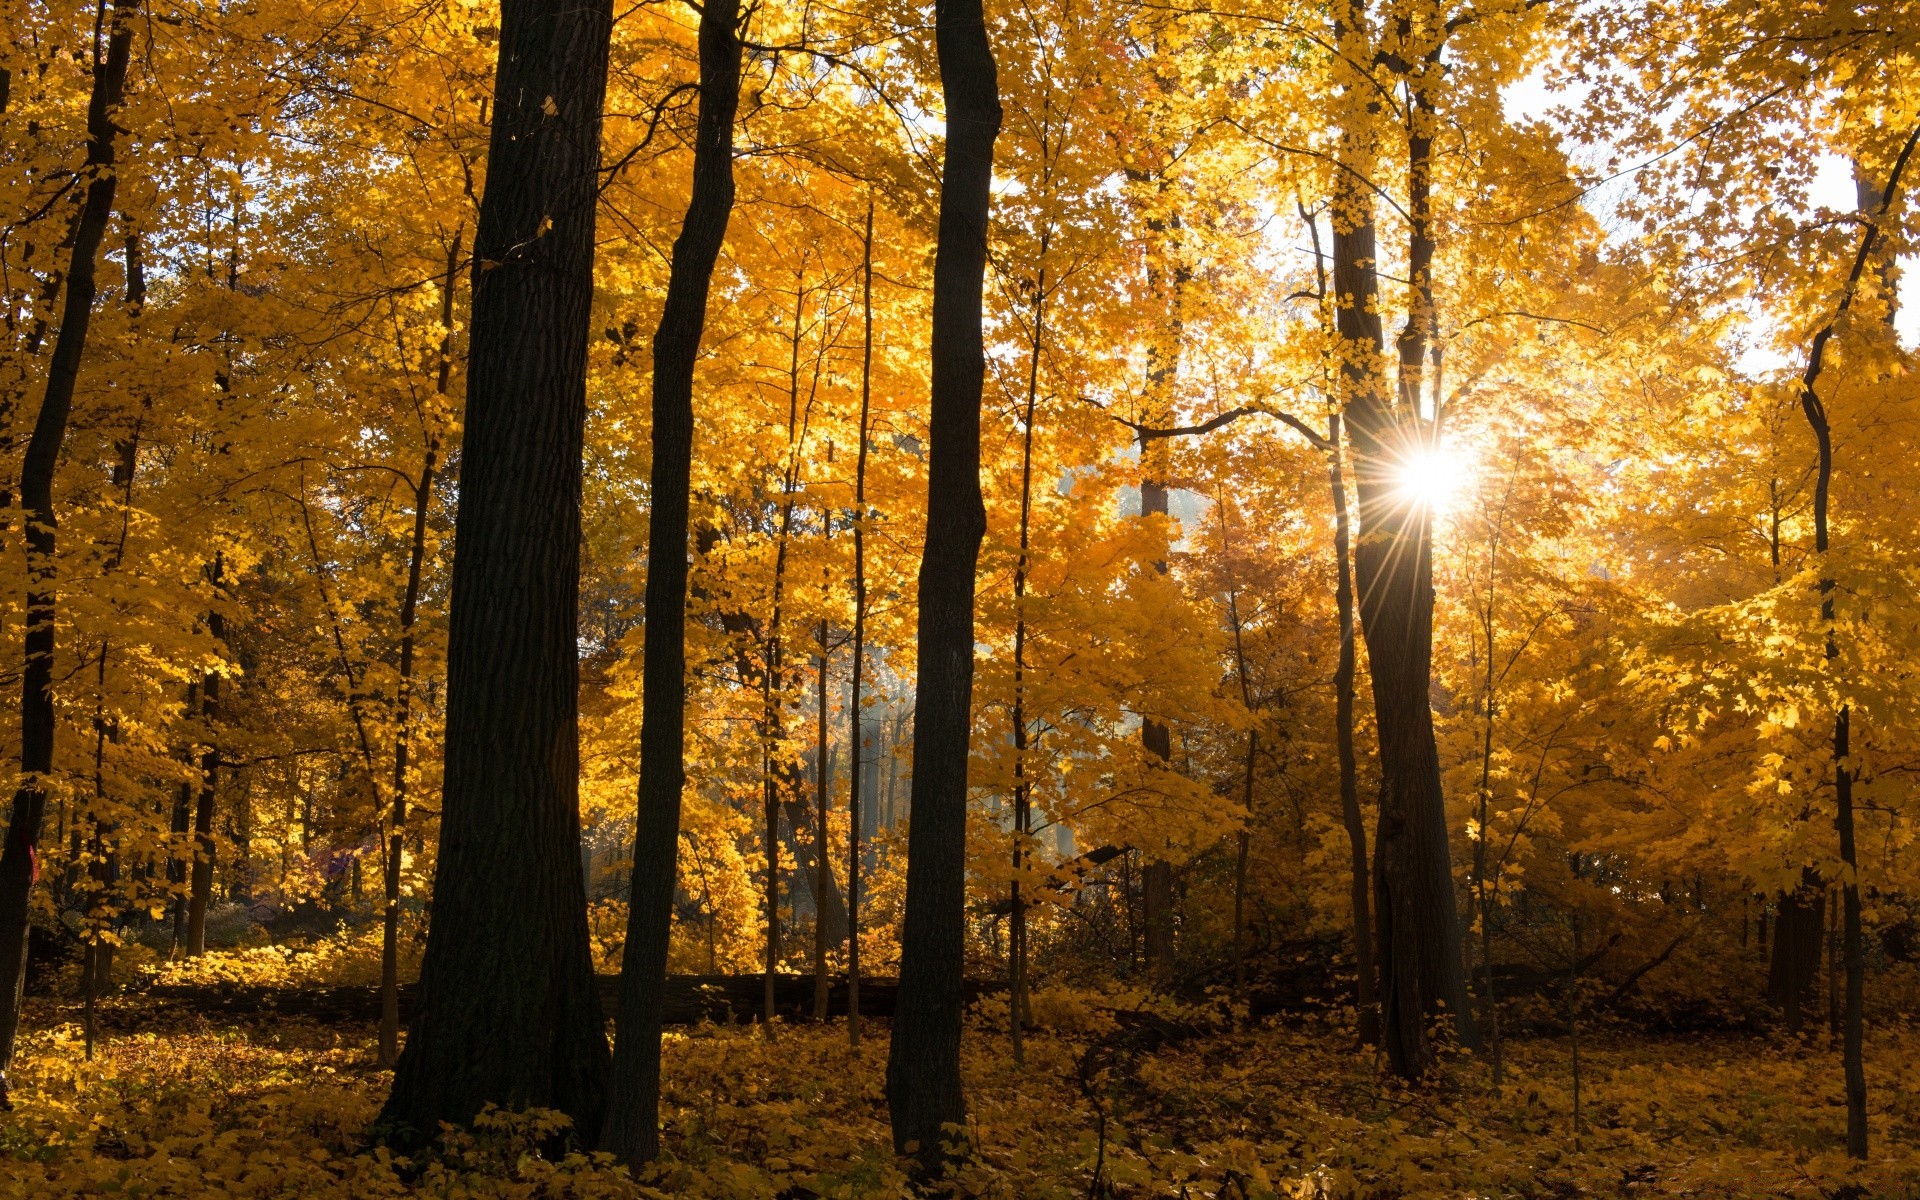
[(690, 999)]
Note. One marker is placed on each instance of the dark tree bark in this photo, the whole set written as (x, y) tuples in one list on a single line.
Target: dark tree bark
[(1799, 932), (19, 864), (822, 838), (507, 1013), (1022, 787), (1366, 999), (403, 699), (923, 1066), (633, 1118), (1421, 971), (200, 883), (1853, 946)]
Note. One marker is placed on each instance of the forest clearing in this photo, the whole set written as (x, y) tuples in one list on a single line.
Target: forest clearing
[(1101, 598)]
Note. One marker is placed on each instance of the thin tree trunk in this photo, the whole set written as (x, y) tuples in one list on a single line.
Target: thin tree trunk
[(1853, 1035), (403, 700), (854, 730), (19, 865), (633, 1130), (1253, 751), (200, 884), (1366, 999), (924, 1094), (822, 858), (506, 1012), (1022, 787)]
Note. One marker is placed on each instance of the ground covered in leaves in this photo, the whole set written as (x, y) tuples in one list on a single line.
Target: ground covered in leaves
[(1158, 1104)]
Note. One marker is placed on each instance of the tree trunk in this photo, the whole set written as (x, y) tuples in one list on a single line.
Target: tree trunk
[(1797, 935), (200, 885), (19, 863), (923, 1065), (633, 1128), (1853, 1020), (854, 729), (1366, 1000), (822, 840), (507, 1013), (403, 701), (1421, 975), (1022, 787)]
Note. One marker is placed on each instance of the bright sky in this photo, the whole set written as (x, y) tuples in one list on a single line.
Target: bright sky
[(1532, 99)]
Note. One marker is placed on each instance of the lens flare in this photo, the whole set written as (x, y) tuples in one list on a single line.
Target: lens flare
[(1430, 477)]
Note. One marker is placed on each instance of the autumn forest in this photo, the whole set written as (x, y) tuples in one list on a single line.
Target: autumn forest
[(1110, 598)]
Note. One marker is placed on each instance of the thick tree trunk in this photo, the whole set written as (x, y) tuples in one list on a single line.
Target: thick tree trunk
[(507, 1013), (1797, 938), (19, 865), (1421, 972), (924, 1094), (633, 1118)]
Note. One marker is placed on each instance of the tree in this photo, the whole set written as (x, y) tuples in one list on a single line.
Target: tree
[(633, 1129), (19, 859), (507, 1013), (924, 1094)]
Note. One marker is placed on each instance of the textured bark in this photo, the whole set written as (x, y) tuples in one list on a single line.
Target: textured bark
[(633, 1117), (924, 1094), (19, 866), (1421, 972), (507, 1013)]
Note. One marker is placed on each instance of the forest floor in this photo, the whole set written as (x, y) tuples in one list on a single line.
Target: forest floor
[(1276, 1109)]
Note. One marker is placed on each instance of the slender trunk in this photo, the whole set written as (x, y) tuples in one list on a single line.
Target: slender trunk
[(506, 1012), (1022, 788), (924, 1096), (1573, 1022), (854, 729), (822, 859), (1485, 891), (200, 885), (633, 1128), (1853, 1033), (103, 869), (1366, 1000), (403, 699), (771, 675), (1243, 840), (19, 865)]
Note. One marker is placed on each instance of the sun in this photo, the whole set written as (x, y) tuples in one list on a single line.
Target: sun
[(1430, 477)]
